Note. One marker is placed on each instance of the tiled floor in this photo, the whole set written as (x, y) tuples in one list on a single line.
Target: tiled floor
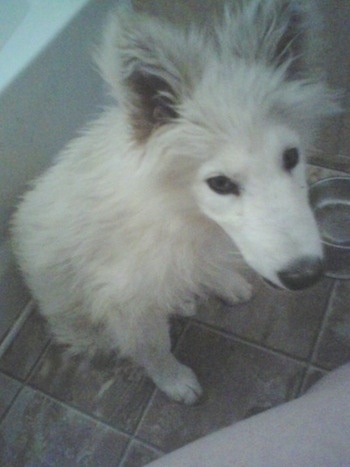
[(68, 412), (56, 411)]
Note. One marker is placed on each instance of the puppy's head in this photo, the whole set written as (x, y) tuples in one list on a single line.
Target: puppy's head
[(227, 113)]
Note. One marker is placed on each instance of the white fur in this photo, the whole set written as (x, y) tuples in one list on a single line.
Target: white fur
[(123, 230)]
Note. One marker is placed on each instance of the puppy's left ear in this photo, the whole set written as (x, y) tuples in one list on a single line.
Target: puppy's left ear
[(140, 59), (152, 99)]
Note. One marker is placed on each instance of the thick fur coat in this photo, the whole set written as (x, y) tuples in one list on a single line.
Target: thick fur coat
[(198, 168)]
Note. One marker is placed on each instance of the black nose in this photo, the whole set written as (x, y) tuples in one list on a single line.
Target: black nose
[(302, 273)]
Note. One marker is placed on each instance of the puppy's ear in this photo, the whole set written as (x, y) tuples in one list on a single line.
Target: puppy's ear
[(296, 26), (139, 60), (291, 41), (281, 33), (152, 100)]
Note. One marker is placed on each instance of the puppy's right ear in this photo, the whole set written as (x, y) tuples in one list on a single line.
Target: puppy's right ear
[(139, 59)]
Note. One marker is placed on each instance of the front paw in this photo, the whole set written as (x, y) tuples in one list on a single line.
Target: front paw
[(244, 293), (240, 294), (188, 306), (182, 386)]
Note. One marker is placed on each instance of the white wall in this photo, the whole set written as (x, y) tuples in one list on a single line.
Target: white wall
[(40, 110)]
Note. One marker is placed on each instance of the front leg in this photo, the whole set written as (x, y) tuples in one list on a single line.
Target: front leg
[(237, 290), (230, 287), (152, 350), (188, 305)]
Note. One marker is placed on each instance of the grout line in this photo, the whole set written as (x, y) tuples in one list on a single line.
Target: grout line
[(304, 363), (149, 445), (16, 327), (245, 341), (125, 453), (33, 369), (140, 441), (28, 383), (298, 390), (145, 411), (311, 363), (8, 408), (328, 310), (80, 411), (303, 388), (130, 435), (135, 436)]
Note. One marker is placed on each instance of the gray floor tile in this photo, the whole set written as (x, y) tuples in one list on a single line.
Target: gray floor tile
[(22, 354), (139, 454), (112, 389), (238, 380), (281, 320), (8, 390), (334, 344), (38, 431)]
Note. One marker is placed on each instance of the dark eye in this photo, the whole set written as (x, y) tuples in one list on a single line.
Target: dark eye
[(290, 158), (223, 185)]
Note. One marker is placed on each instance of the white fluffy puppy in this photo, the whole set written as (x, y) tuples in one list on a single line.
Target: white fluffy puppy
[(202, 161)]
